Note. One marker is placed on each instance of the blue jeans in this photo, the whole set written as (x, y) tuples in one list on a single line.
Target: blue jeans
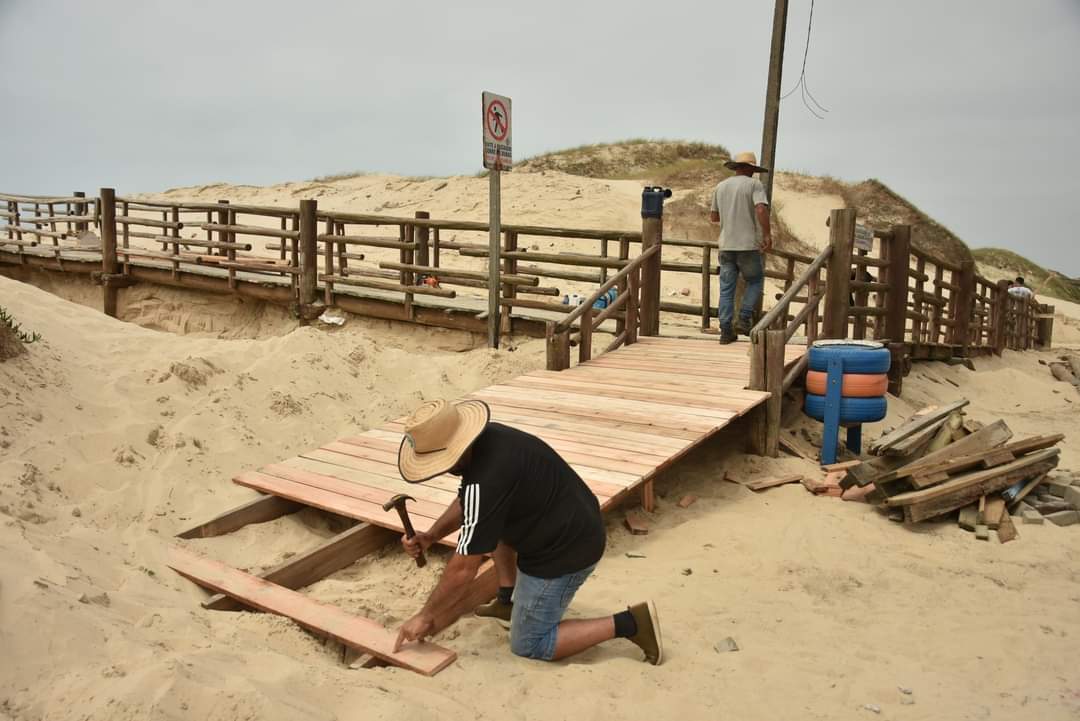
[(539, 605), (732, 264)]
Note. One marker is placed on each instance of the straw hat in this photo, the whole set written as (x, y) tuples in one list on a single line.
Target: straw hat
[(437, 435), (747, 158)]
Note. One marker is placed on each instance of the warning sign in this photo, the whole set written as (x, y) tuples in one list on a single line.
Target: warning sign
[(864, 238), (497, 138)]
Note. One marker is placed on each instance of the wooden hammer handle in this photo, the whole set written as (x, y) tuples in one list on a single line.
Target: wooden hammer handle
[(406, 522)]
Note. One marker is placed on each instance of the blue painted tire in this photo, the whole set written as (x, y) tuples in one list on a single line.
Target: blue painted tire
[(852, 410), (857, 358)]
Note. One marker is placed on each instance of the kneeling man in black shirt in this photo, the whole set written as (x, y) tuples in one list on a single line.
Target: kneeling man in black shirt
[(522, 504)]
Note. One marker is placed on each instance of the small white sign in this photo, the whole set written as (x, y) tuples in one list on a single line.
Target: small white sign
[(864, 238), (498, 154)]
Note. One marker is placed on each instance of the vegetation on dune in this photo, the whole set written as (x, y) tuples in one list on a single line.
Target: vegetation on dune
[(12, 336), (656, 161), (1041, 280)]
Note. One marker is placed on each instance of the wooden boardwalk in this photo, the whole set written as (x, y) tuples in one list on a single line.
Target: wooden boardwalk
[(619, 420)]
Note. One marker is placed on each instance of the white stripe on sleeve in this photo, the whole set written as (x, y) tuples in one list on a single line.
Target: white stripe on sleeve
[(470, 517)]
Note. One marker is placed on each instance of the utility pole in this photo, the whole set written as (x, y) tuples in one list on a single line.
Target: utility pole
[(772, 95)]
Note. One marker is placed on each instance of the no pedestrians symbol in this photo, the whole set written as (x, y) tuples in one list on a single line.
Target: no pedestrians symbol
[(498, 154)]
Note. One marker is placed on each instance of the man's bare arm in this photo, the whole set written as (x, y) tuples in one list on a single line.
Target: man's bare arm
[(762, 211), (459, 573), (448, 522)]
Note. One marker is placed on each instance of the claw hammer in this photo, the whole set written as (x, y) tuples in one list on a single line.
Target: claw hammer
[(398, 503)]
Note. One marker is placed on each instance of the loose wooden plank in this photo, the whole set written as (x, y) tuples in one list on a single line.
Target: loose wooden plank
[(842, 466), (798, 447), (258, 510), (987, 437), (304, 569), (1007, 529), (915, 425), (961, 481), (924, 474), (996, 480), (993, 511), (687, 501), (761, 484), (354, 631), (636, 523)]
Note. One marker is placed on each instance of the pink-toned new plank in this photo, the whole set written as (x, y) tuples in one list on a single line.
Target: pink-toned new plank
[(354, 631)]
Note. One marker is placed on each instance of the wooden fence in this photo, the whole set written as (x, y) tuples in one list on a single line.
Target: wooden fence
[(412, 269), (920, 306)]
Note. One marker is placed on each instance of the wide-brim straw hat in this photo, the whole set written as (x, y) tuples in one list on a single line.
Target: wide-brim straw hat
[(437, 435), (745, 159)]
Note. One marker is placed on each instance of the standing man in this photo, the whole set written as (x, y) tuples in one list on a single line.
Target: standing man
[(1018, 289), (521, 503), (740, 207)]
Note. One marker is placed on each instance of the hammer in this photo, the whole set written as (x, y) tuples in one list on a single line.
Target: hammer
[(398, 503)]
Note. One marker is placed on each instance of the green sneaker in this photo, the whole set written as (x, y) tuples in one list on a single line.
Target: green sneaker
[(501, 612), (647, 637)]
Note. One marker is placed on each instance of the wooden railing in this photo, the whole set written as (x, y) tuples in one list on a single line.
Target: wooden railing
[(42, 221), (624, 309)]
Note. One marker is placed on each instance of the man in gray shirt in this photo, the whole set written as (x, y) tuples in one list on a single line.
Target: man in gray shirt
[(740, 207)]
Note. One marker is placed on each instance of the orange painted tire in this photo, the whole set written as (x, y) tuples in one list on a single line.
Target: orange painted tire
[(856, 385)]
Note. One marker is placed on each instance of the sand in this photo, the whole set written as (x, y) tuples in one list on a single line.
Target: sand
[(115, 437)]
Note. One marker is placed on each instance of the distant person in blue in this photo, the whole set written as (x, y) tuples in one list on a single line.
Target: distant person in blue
[(740, 207)]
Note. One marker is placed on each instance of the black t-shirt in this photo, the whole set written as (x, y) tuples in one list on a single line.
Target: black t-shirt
[(518, 490)]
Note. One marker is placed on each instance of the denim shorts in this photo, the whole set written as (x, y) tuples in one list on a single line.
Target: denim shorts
[(539, 605)]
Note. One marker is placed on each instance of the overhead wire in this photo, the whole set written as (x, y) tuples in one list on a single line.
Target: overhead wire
[(801, 84)]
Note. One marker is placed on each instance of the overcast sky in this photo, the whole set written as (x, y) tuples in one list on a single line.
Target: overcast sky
[(968, 107)]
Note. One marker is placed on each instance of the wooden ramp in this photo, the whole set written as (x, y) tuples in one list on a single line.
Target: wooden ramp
[(618, 420)]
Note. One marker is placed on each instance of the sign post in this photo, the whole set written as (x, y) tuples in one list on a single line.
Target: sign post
[(498, 157)]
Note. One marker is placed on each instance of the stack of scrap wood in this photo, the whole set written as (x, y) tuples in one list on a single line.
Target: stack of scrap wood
[(940, 462)]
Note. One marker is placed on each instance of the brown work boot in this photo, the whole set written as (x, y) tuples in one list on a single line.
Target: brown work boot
[(648, 637), (501, 612)]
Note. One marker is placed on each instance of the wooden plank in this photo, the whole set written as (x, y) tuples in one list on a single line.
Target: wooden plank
[(325, 619), (990, 436), (761, 484), (960, 496), (915, 425), (445, 483), (258, 510), (332, 555), (925, 475), (334, 502), (993, 510), (970, 479), (371, 494), (591, 420), (733, 392), (687, 501), (636, 523), (669, 408), (691, 425), (598, 388), (798, 447), (1006, 530), (417, 490)]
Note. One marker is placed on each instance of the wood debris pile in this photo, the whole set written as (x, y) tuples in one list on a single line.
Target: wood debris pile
[(941, 462)]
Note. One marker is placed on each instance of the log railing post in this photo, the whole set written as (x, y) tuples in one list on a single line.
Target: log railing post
[(309, 255), (652, 231), (1000, 311), (108, 250), (633, 287), (965, 306), (585, 339), (774, 384), (897, 277), (838, 276), (80, 210), (759, 425), (423, 236)]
